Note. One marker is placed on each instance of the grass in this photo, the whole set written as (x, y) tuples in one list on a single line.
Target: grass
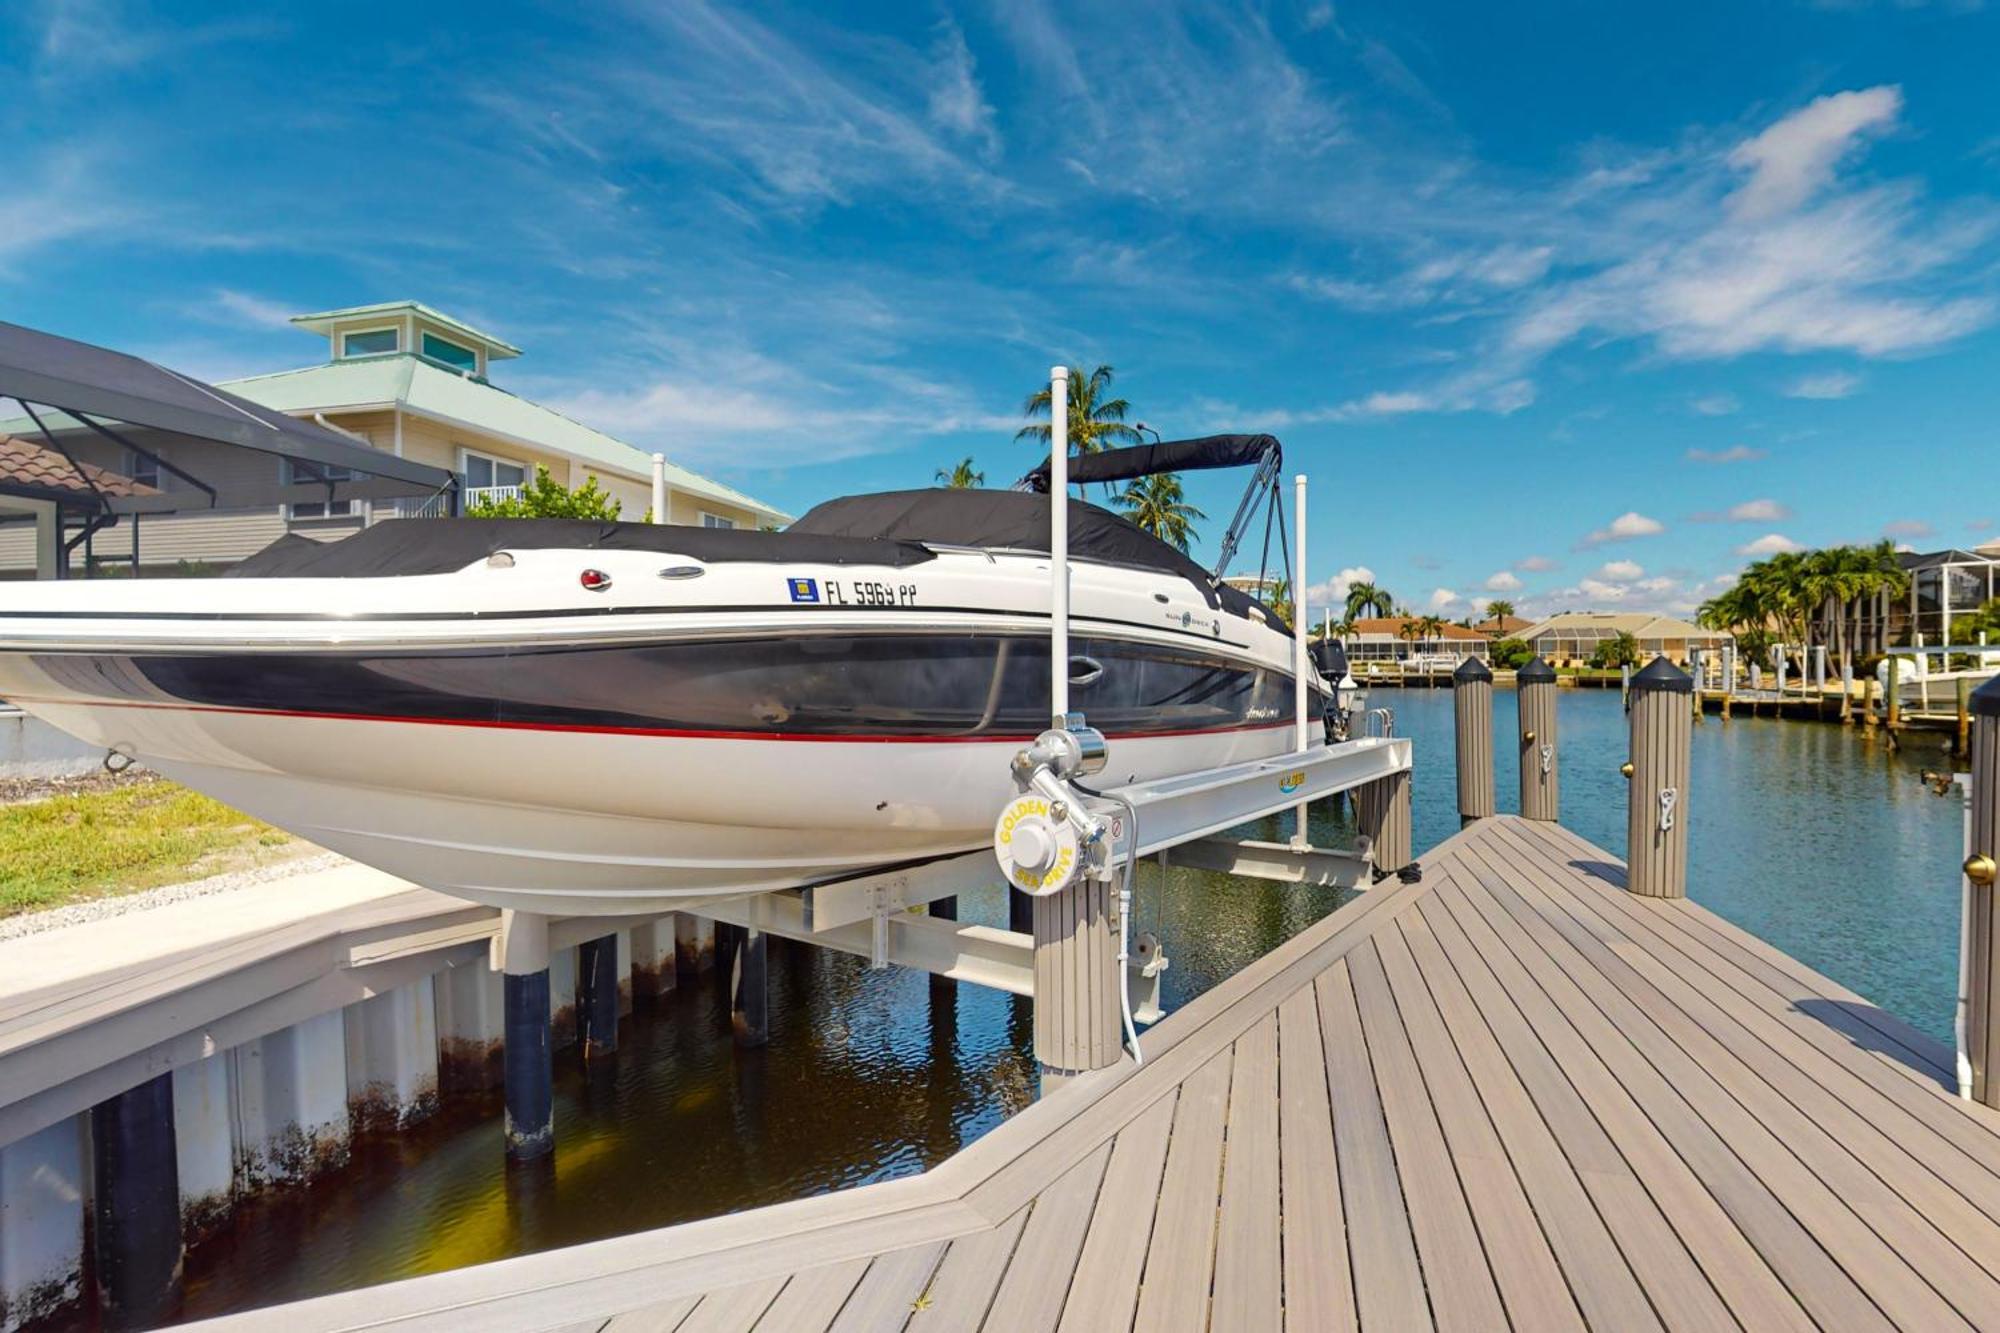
[(137, 835)]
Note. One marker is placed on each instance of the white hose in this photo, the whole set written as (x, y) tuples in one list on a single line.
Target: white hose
[(1126, 883)]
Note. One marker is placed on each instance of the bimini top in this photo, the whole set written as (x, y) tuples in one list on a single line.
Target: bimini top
[(1147, 460)]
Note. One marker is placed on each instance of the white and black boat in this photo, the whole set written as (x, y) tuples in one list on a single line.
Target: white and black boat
[(596, 718)]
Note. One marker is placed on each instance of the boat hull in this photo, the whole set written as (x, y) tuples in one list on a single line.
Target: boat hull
[(595, 779)]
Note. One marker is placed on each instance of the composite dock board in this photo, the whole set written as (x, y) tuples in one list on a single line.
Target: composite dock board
[(1511, 1095)]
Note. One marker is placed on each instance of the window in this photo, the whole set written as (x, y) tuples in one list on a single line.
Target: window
[(483, 471), (716, 521), (450, 353), (368, 342), (143, 469), (314, 474)]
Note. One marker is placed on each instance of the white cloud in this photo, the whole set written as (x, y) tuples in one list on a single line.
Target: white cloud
[(1620, 571), (1716, 404), (1502, 581), (1771, 543), (1794, 159), (1834, 384), (253, 311), (1534, 564), (1332, 594), (1913, 529), (1791, 261), (957, 102), (1625, 527), (1443, 598), (1750, 511), (1735, 453)]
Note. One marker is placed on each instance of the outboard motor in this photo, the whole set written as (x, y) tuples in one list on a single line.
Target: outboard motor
[(1330, 657)]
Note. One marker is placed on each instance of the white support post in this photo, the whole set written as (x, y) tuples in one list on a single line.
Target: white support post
[(659, 488), (1058, 541), (1302, 730)]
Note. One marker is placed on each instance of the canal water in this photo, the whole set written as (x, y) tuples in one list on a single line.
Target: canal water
[(1821, 842)]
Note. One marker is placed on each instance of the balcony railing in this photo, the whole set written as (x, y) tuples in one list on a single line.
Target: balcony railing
[(489, 494)]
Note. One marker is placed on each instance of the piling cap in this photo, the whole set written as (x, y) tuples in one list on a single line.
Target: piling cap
[(1535, 670), (1472, 669), (1660, 674), (1986, 699)]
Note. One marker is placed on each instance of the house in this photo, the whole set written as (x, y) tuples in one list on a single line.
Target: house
[(1398, 639), (1503, 627), (414, 382), (1943, 584), (1569, 638)]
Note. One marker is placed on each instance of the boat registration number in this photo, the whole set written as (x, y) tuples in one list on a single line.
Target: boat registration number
[(868, 592)]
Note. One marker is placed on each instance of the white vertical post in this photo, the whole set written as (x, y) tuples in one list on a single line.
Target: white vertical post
[(659, 488), (1302, 731), (1058, 541)]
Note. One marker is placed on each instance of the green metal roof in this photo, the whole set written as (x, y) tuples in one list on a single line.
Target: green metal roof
[(410, 382), (496, 348)]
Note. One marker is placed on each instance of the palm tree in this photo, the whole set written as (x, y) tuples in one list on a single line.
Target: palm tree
[(1499, 609), (1096, 420), (1278, 596), (1431, 627), (1793, 593), (1369, 597), (1410, 631), (1156, 505), (960, 476)]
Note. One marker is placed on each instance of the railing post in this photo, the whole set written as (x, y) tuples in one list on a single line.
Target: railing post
[(1656, 812), (1540, 793), (1382, 816), (1472, 708), (1979, 1032)]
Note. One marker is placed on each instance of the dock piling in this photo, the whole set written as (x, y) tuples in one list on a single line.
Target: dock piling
[(1656, 807), (1076, 981), (750, 1003), (1472, 712), (527, 1060), (1979, 1038), (1540, 793), (597, 996), (1382, 815), (136, 1205)]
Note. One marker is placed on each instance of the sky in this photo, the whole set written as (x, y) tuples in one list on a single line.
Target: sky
[(1575, 304)]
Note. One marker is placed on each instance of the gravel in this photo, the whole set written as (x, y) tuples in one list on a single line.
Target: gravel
[(101, 909)]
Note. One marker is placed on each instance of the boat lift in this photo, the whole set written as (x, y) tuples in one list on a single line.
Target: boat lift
[(1062, 839)]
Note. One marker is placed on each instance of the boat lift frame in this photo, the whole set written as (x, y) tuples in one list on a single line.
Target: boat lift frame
[(880, 916)]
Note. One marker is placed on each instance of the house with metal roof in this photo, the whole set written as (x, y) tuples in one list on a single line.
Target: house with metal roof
[(1569, 638), (411, 381)]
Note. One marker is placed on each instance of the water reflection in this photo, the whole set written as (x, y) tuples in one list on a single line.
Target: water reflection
[(1820, 842)]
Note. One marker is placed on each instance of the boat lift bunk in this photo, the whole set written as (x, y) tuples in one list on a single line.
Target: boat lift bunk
[(1060, 829)]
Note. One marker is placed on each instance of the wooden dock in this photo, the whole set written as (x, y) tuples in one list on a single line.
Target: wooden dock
[(1510, 1095)]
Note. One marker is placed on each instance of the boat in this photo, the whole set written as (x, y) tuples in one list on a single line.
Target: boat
[(609, 718)]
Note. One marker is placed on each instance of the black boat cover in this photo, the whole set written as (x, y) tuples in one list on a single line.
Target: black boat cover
[(1146, 460), (890, 529), (446, 545), (1015, 519)]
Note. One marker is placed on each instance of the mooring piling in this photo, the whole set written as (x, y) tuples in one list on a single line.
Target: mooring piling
[(1980, 1036), (1657, 773), (1535, 688), (1382, 815), (597, 997), (1472, 713), (750, 971), (1076, 981), (135, 1205), (527, 1059)]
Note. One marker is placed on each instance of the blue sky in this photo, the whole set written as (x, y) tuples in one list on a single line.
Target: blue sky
[(1578, 304)]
